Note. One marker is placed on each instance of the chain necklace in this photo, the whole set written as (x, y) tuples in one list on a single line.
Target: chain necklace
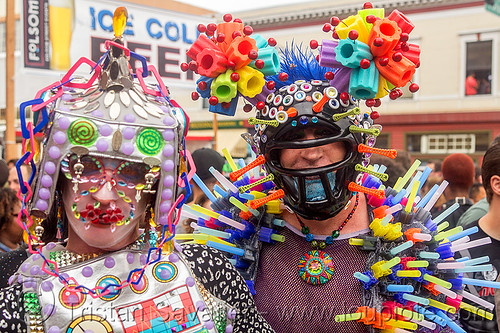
[(316, 266)]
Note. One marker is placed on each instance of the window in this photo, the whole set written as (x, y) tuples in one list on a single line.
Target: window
[(479, 64), (447, 143)]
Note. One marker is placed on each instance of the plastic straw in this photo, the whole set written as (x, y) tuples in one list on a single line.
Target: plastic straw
[(447, 212), (229, 159), (411, 198), (427, 197), (416, 299), (394, 209), (436, 195), (407, 175), (461, 241), (445, 291), (220, 177), (450, 265), (400, 288), (362, 277), (481, 283), (475, 243), (401, 247), (204, 188), (423, 178), (422, 237), (412, 182), (473, 269), (222, 247), (466, 232), (428, 255), (477, 300), (477, 261)]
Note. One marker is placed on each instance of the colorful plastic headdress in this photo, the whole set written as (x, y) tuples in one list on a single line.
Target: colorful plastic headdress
[(232, 62), (114, 114)]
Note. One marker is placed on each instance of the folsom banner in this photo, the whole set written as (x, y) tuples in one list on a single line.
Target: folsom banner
[(58, 32), (36, 34)]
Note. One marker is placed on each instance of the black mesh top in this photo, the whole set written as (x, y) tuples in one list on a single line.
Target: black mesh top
[(291, 305)]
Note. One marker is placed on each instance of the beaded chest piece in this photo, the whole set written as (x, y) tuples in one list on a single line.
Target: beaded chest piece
[(165, 298)]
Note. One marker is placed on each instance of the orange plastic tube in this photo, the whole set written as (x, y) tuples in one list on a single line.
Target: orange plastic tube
[(238, 50), (353, 187), (238, 173), (398, 73), (391, 153), (318, 106), (260, 202), (388, 31), (227, 28)]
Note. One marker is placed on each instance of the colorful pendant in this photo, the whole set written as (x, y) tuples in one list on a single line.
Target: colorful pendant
[(316, 267)]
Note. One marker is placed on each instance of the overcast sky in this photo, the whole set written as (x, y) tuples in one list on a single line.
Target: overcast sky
[(225, 6)]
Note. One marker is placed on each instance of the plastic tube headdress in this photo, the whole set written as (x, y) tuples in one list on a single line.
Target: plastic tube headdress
[(232, 62)]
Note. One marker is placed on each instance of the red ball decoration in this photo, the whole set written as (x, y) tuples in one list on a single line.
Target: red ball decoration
[(374, 115), (370, 103), (393, 94), (283, 77), (371, 19), (220, 37), (313, 44), (271, 42), (213, 100), (327, 27), (259, 63), (334, 21), (353, 35), (270, 85), (253, 54), (193, 65), (231, 64), (235, 34), (404, 37), (377, 102), (237, 20), (247, 107), (367, 5), (235, 77), (202, 28), (209, 33), (405, 47), (335, 35), (227, 17), (378, 42), (365, 63), (397, 56), (195, 95), (202, 85), (400, 92), (344, 96), (211, 27), (260, 105), (329, 76), (247, 30), (184, 67), (383, 61), (413, 87)]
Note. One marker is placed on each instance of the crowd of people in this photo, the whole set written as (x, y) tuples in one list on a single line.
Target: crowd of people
[(107, 196)]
